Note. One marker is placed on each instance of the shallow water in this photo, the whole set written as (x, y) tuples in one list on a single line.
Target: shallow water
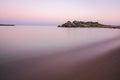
[(51, 53), (25, 38)]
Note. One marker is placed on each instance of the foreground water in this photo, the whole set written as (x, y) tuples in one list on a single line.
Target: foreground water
[(51, 53), (50, 38)]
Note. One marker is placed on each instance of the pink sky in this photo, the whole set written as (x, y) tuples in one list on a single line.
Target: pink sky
[(53, 11)]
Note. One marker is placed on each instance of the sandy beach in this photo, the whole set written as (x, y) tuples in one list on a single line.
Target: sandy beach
[(99, 61)]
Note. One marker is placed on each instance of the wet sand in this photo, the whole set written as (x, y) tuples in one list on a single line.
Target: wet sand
[(100, 61)]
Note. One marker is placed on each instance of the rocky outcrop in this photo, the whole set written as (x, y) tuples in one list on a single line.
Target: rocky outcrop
[(81, 24)]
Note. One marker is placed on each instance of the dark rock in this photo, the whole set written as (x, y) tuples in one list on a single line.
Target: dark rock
[(81, 24)]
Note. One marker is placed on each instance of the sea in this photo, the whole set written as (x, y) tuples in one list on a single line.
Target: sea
[(15, 38), (45, 52)]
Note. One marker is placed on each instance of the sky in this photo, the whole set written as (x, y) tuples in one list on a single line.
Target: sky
[(59, 11)]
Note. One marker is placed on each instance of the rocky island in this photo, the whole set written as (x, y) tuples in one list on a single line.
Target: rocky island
[(83, 24)]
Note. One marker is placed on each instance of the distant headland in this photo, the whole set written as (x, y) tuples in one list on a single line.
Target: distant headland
[(7, 25), (88, 24)]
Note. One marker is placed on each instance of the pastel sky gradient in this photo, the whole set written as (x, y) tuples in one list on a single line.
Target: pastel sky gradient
[(59, 11)]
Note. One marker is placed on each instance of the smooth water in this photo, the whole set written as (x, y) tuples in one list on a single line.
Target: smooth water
[(52, 53), (42, 38)]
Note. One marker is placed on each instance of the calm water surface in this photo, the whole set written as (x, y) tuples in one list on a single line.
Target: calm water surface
[(27, 38), (51, 53)]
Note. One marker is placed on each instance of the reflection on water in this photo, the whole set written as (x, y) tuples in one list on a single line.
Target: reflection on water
[(51, 53), (51, 38)]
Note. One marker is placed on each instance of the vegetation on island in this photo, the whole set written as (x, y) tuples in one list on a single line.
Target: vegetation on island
[(83, 24)]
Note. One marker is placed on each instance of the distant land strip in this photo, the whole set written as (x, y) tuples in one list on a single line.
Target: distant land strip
[(7, 25)]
